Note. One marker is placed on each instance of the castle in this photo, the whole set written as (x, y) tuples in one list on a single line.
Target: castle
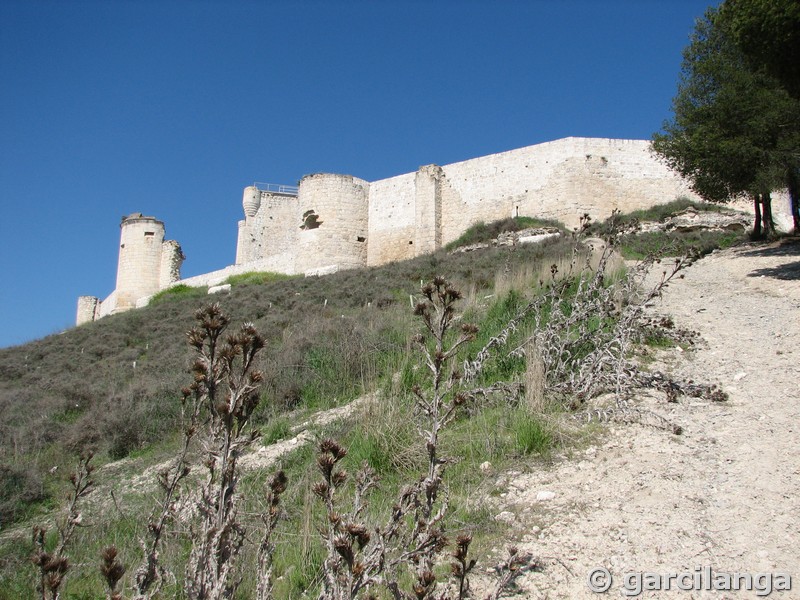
[(331, 222)]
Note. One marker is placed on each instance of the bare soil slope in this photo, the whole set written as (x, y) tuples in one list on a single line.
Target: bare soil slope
[(726, 493)]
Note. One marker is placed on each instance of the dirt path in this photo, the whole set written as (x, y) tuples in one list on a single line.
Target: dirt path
[(725, 494)]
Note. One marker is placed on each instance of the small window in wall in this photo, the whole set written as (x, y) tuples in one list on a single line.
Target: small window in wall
[(410, 242), (310, 220), (149, 233), (361, 239)]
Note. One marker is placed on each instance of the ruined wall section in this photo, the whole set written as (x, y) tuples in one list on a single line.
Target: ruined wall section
[(406, 214), (171, 261), (332, 222), (392, 220), (601, 175), (268, 233), (87, 309), (483, 190)]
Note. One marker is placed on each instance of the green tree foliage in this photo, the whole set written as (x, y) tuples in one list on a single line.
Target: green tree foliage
[(768, 33), (735, 128)]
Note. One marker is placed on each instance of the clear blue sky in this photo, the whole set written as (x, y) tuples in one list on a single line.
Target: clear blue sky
[(171, 108)]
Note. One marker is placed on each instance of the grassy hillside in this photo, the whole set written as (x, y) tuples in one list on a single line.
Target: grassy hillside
[(114, 386)]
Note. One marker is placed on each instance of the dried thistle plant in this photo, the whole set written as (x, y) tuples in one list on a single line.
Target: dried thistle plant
[(112, 571), (266, 549), (150, 574), (226, 388), (514, 565), (350, 566), (462, 566), (585, 326), (413, 540), (53, 566)]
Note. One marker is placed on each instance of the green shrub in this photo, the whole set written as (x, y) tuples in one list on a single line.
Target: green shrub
[(177, 292), (658, 340), (256, 278), (637, 246), (661, 212), (277, 429), (372, 448), (483, 232), (131, 421), (531, 435), (668, 243), (297, 567)]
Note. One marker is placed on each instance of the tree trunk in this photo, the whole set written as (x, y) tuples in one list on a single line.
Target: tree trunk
[(757, 211), (793, 183), (766, 214)]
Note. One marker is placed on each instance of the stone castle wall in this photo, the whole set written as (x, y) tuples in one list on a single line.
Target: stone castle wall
[(269, 230), (557, 180), (419, 212), (333, 222), (87, 309), (392, 219)]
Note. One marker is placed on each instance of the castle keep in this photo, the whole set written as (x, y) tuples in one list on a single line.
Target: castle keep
[(332, 222)]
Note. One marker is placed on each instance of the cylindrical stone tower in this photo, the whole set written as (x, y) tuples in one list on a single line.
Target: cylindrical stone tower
[(333, 222), (139, 267)]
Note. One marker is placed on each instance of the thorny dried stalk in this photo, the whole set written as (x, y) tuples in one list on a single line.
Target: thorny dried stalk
[(266, 548), (53, 566), (150, 575), (417, 528), (413, 539), (513, 566), (348, 568), (112, 571), (585, 326), (461, 566), (226, 386)]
